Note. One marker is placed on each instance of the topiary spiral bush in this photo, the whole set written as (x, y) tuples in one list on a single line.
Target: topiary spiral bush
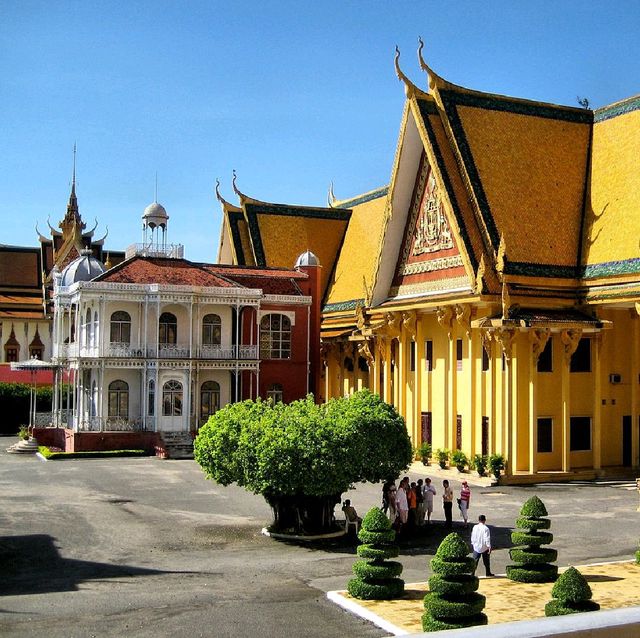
[(532, 560), (452, 600), (638, 556), (376, 577), (571, 595)]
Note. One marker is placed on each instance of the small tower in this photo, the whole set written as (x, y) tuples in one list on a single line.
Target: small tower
[(155, 220)]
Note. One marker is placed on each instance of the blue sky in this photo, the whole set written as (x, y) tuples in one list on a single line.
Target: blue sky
[(293, 95)]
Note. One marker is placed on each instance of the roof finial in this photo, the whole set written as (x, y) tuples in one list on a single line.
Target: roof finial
[(233, 183), (218, 196), (331, 198), (155, 196), (73, 179), (408, 86)]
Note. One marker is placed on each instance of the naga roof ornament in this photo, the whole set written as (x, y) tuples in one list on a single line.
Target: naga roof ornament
[(331, 198), (409, 87)]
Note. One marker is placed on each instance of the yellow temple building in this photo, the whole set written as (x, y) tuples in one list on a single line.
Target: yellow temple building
[(490, 292)]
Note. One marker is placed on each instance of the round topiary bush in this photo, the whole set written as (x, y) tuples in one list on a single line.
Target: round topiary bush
[(571, 595), (452, 600), (376, 578), (532, 561)]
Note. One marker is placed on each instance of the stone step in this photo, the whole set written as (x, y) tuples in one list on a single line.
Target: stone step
[(178, 445)]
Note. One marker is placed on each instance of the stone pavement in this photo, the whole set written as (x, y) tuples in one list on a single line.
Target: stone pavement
[(614, 585)]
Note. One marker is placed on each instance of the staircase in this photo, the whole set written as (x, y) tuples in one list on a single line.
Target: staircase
[(178, 445)]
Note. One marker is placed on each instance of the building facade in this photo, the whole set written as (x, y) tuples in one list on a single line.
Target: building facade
[(490, 291)]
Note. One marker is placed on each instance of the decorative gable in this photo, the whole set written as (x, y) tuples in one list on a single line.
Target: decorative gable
[(429, 259)]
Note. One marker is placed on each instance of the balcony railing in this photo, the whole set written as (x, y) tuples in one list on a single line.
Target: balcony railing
[(111, 424), (164, 351)]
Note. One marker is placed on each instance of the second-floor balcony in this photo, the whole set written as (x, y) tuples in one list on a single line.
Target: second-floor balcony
[(162, 351)]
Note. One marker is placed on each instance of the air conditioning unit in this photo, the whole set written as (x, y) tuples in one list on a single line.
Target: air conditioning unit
[(615, 378)]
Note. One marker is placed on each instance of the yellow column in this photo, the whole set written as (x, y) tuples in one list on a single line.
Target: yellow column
[(566, 414), (374, 383), (401, 369), (597, 414), (533, 410), (473, 391), (450, 434), (635, 374), (417, 381), (387, 371)]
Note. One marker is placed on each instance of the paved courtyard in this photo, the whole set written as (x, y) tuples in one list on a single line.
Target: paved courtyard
[(145, 547)]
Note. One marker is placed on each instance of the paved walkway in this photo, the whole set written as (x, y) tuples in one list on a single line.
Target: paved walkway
[(614, 585)]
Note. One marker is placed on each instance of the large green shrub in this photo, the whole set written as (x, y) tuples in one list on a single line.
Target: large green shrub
[(452, 600), (571, 595), (532, 562), (301, 457), (376, 577)]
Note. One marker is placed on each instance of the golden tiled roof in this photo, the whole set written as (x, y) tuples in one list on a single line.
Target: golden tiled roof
[(359, 252), (613, 201)]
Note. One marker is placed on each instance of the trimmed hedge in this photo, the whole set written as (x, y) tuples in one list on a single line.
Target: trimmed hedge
[(533, 555), (452, 600), (638, 556), (376, 578), (571, 595), (532, 562)]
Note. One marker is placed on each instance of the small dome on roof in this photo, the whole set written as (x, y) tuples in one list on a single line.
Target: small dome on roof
[(307, 259), (84, 268), (155, 215)]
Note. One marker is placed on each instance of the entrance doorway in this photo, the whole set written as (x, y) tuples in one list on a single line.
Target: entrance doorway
[(626, 440)]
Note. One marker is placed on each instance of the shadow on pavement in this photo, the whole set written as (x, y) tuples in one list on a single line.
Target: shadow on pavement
[(31, 564)]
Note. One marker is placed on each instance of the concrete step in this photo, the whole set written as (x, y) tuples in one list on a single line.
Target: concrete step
[(178, 445)]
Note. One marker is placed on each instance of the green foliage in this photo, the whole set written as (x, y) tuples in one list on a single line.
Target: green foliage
[(431, 624), (452, 600), (379, 590), (541, 573), (533, 555), (377, 553), (453, 546), (60, 456), (375, 577), (571, 587), (376, 521), (571, 594), (303, 448), (459, 459), (532, 524), (637, 556), (424, 451), (479, 464), (533, 508), (14, 404), (532, 560), (368, 570), (443, 457), (533, 539), (497, 463), (23, 432), (464, 584)]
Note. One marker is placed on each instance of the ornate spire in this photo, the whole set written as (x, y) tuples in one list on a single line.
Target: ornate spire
[(72, 218), (409, 88), (433, 77), (331, 198)]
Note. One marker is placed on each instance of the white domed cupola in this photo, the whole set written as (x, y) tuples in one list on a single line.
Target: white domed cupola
[(154, 226), (307, 259), (84, 268)]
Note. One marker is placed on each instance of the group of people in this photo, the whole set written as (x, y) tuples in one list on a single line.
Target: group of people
[(411, 503)]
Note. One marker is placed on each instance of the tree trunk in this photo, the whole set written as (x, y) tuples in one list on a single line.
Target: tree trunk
[(301, 514)]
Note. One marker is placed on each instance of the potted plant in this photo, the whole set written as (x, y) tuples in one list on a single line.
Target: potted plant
[(423, 452), (460, 460), (443, 458), (23, 433), (497, 464), (479, 464)]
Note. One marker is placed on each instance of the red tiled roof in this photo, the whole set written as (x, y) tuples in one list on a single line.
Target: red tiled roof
[(151, 270), (43, 377), (269, 285), (228, 271)]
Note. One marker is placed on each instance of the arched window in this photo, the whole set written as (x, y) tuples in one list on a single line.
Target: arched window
[(275, 392), (275, 337), (94, 334), (120, 331), (87, 328), (151, 407), (172, 398), (211, 330), (119, 399), (168, 329), (94, 399), (209, 399)]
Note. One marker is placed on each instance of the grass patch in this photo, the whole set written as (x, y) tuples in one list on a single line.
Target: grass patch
[(51, 455)]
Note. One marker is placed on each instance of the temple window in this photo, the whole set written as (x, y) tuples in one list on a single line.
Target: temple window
[(545, 360), (120, 329), (275, 337), (581, 358), (168, 329), (580, 433), (275, 392), (172, 398), (11, 354), (428, 355), (485, 360), (412, 356), (209, 399), (36, 347), (211, 330), (118, 400), (545, 434), (458, 355)]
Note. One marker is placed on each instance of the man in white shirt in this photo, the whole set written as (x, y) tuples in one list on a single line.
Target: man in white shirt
[(481, 543), (429, 492), (402, 505)]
